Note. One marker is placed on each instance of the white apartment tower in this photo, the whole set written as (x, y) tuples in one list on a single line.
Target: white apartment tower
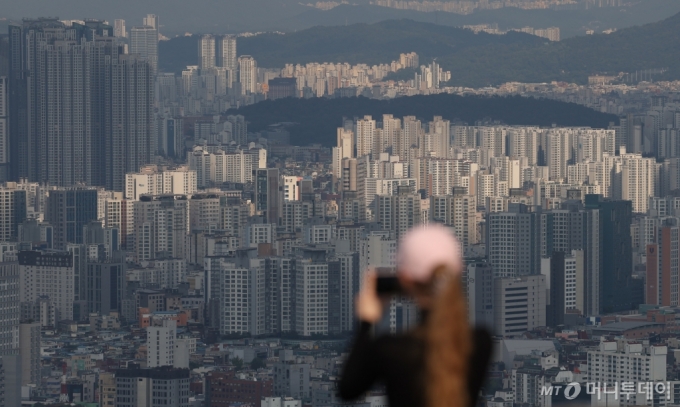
[(119, 28), (365, 134), (151, 180), (239, 294), (377, 249), (343, 149), (160, 344), (151, 20), (558, 153), (218, 166), (311, 298), (226, 53), (629, 361), (247, 74), (206, 52)]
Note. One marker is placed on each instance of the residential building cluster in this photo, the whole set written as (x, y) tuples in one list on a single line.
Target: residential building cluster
[(179, 269), (222, 80), (551, 33), (154, 252)]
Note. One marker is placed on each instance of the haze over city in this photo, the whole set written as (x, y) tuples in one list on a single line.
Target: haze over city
[(193, 195)]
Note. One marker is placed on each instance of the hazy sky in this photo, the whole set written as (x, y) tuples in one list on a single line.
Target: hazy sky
[(175, 15), (233, 16)]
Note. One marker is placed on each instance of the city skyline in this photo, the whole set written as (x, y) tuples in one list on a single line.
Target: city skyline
[(197, 237)]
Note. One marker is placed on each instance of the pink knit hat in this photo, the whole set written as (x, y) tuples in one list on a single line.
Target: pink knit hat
[(423, 249)]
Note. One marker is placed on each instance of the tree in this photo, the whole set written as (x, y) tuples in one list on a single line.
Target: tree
[(237, 363), (258, 363)]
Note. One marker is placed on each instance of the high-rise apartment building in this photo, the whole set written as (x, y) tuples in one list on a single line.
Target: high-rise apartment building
[(68, 211), (564, 274), (343, 149), (398, 213), (205, 212), (144, 42), (347, 286), (513, 242), (267, 200), (377, 249), (459, 211), (206, 52), (311, 297), (629, 362), (365, 134), (47, 275), (151, 180), (242, 302), (226, 53), (663, 265), (160, 344), (9, 308), (161, 224), (478, 280), (615, 246), (80, 109), (216, 166), (29, 349), (439, 137), (151, 20), (4, 129), (105, 285), (119, 30), (239, 129), (247, 68), (170, 137), (634, 178), (12, 212)]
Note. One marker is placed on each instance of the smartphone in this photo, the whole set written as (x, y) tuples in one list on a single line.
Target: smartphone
[(388, 285)]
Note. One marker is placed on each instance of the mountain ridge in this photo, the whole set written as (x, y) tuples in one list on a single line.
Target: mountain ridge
[(317, 118), (473, 59)]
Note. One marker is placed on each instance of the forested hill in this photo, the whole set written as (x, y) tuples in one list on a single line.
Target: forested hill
[(358, 43), (316, 119), (372, 43), (651, 46), (474, 59)]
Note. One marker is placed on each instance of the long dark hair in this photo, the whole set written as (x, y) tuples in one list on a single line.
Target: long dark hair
[(449, 342)]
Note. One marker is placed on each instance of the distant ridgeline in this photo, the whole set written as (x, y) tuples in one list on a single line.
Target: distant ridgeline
[(316, 119), (475, 60)]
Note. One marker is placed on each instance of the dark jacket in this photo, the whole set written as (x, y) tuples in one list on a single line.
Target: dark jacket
[(399, 362)]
